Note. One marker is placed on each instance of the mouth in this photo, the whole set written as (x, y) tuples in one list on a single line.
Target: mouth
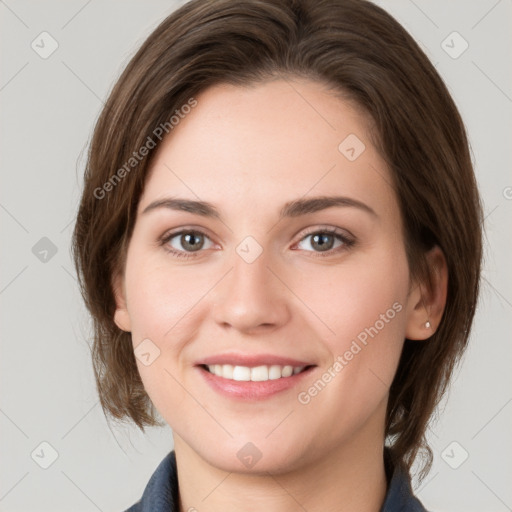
[(254, 383), (260, 373)]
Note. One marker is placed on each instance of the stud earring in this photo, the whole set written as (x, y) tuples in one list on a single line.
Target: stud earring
[(427, 325)]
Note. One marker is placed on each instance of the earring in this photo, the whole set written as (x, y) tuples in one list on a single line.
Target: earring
[(427, 325)]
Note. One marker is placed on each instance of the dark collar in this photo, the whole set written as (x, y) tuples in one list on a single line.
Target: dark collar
[(161, 493)]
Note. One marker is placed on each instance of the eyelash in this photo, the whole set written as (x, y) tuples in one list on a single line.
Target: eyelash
[(348, 242)]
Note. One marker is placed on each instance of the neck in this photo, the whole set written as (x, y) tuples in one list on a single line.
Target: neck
[(348, 478)]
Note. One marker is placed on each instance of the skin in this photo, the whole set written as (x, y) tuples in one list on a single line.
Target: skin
[(248, 151)]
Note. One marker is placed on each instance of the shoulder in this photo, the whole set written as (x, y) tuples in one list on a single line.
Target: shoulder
[(400, 496), (161, 492)]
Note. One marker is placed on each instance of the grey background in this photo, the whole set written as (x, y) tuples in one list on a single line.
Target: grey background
[(49, 107)]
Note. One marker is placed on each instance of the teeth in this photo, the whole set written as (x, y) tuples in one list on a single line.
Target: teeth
[(274, 372), (259, 373), (256, 374)]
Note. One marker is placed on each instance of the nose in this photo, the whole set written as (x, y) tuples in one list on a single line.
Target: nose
[(251, 297)]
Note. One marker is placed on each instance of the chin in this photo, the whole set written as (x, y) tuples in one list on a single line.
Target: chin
[(256, 458)]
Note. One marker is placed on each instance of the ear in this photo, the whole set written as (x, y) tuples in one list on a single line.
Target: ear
[(121, 315), (426, 303)]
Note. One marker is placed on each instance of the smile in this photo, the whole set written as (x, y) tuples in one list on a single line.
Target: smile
[(255, 374), (253, 383)]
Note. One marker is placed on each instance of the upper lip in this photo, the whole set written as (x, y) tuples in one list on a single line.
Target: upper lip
[(252, 360)]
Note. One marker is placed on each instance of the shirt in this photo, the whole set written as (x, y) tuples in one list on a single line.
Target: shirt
[(161, 493)]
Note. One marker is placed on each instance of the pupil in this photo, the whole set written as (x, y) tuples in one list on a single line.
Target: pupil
[(190, 245), (324, 246)]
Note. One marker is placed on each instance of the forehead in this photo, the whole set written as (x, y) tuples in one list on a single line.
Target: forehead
[(269, 142)]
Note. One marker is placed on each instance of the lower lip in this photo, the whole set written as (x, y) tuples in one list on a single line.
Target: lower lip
[(252, 390)]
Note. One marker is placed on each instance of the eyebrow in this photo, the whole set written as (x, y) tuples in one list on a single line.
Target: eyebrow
[(294, 208)]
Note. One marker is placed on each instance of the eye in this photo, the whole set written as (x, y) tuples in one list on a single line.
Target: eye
[(323, 241), (191, 241), (187, 242)]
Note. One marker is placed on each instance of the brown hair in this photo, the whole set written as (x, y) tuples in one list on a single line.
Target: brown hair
[(363, 53)]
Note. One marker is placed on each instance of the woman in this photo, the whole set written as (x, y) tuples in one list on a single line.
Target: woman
[(279, 243)]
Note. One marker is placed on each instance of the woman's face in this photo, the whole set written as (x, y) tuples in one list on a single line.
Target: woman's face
[(258, 283)]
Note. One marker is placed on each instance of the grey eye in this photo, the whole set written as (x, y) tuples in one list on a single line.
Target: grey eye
[(322, 241), (190, 241)]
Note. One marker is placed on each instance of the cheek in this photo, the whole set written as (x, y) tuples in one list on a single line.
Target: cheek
[(167, 304), (161, 303), (362, 307), (351, 297), (160, 297)]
